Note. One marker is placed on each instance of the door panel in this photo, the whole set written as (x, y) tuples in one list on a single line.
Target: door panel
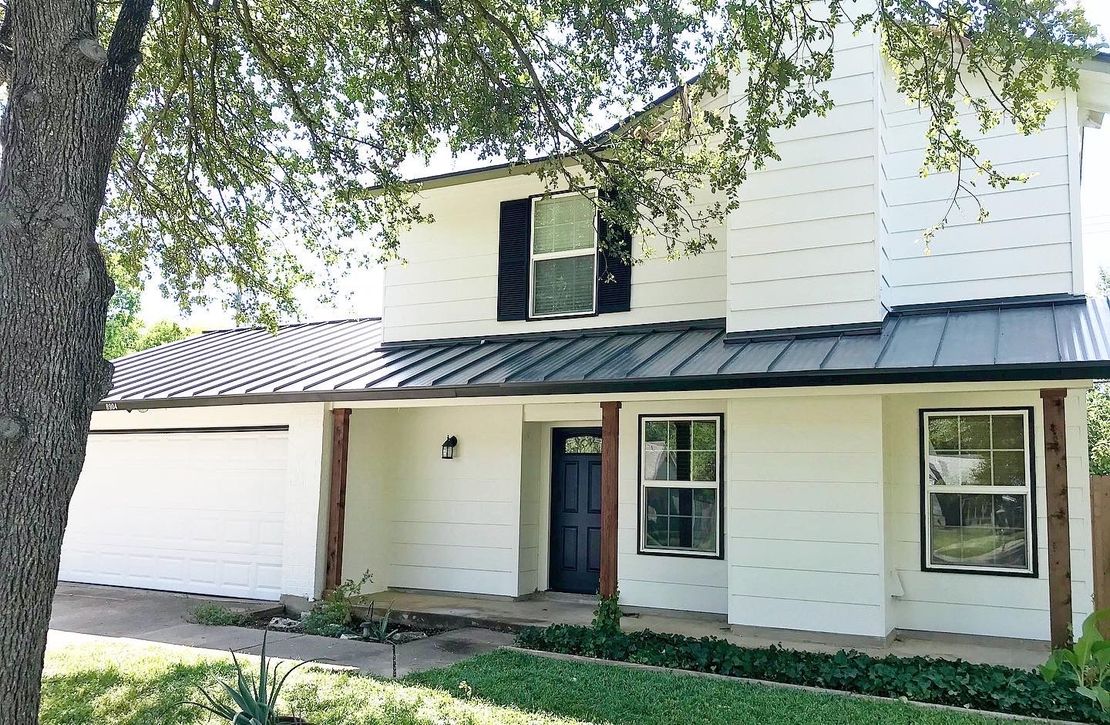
[(575, 513)]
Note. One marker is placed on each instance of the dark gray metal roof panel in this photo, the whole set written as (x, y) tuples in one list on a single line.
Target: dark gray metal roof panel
[(803, 355), (855, 352), (1083, 331), (519, 359), (338, 360), (612, 347), (710, 358), (914, 341), (969, 339), (757, 357), (468, 354), (549, 366), (681, 349), (1027, 334), (636, 354)]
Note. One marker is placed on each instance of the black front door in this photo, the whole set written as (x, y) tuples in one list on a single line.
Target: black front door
[(575, 510)]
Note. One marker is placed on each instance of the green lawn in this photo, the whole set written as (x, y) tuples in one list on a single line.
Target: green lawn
[(129, 684)]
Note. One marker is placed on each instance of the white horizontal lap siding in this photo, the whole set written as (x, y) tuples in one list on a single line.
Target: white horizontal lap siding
[(454, 524), (531, 507), (804, 520), (663, 582), (447, 285), (1027, 245), (802, 245), (977, 604), (367, 531)]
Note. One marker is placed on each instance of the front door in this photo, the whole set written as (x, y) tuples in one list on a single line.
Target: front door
[(575, 510)]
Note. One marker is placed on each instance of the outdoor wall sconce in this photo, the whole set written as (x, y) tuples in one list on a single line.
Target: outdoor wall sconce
[(448, 451)]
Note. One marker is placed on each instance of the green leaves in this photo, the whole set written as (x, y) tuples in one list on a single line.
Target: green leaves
[(331, 616), (264, 146), (607, 616), (958, 683), (1086, 666), (992, 59), (1098, 429), (252, 701)]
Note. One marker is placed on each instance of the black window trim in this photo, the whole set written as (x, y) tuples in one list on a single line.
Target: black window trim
[(721, 485), (1033, 572)]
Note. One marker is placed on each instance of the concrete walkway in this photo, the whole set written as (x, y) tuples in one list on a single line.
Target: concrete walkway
[(85, 612), (543, 609)]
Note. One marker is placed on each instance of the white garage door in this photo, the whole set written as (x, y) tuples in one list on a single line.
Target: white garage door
[(190, 511)]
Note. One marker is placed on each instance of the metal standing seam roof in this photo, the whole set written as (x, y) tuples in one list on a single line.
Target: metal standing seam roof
[(346, 359)]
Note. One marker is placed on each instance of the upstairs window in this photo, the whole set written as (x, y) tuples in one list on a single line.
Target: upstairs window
[(564, 256), (977, 498)]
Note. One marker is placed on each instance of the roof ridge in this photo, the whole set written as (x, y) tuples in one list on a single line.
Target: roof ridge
[(306, 323)]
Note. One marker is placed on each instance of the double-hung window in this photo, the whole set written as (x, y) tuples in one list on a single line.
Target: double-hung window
[(564, 256), (977, 498), (680, 485)]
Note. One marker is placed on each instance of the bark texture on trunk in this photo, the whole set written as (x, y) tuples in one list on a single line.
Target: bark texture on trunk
[(67, 98)]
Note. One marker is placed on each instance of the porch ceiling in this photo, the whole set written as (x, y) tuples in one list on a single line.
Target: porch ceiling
[(1054, 338)]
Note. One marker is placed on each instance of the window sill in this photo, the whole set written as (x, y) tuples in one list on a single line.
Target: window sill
[(709, 556), (1018, 574), (566, 316)]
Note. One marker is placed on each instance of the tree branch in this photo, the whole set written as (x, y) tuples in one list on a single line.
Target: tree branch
[(127, 35)]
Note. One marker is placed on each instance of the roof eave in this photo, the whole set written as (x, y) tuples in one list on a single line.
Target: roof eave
[(1085, 370)]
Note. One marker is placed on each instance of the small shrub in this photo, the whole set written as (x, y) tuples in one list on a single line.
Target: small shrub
[(1086, 666), (331, 616), (216, 615), (958, 683), (607, 616)]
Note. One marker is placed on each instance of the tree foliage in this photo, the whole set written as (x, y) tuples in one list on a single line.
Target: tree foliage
[(1098, 428), (265, 138), (125, 332)]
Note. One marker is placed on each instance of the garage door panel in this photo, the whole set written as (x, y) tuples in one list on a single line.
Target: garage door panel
[(183, 511)]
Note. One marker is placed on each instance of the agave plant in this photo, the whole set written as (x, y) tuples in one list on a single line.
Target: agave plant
[(377, 631), (253, 701)]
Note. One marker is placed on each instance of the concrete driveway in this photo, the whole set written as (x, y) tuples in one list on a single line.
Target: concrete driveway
[(84, 612)]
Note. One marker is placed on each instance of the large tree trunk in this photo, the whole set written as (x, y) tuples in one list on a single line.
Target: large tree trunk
[(67, 100)]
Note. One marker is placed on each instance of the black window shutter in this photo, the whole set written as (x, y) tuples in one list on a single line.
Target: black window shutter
[(513, 253), (614, 270)]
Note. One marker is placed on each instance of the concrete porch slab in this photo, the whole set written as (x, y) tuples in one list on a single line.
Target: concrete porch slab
[(509, 615)]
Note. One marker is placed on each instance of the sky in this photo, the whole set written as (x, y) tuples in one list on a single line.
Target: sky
[(361, 293)]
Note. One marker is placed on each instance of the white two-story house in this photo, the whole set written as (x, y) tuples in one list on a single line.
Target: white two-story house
[(814, 426)]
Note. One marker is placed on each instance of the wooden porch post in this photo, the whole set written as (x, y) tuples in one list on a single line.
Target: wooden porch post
[(1056, 499), (340, 433), (610, 443), (1100, 546)]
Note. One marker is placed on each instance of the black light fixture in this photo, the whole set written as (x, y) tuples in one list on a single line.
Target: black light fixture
[(448, 451)]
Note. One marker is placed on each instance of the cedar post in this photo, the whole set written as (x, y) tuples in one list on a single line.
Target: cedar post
[(1100, 546), (340, 433), (1056, 499), (610, 444)]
